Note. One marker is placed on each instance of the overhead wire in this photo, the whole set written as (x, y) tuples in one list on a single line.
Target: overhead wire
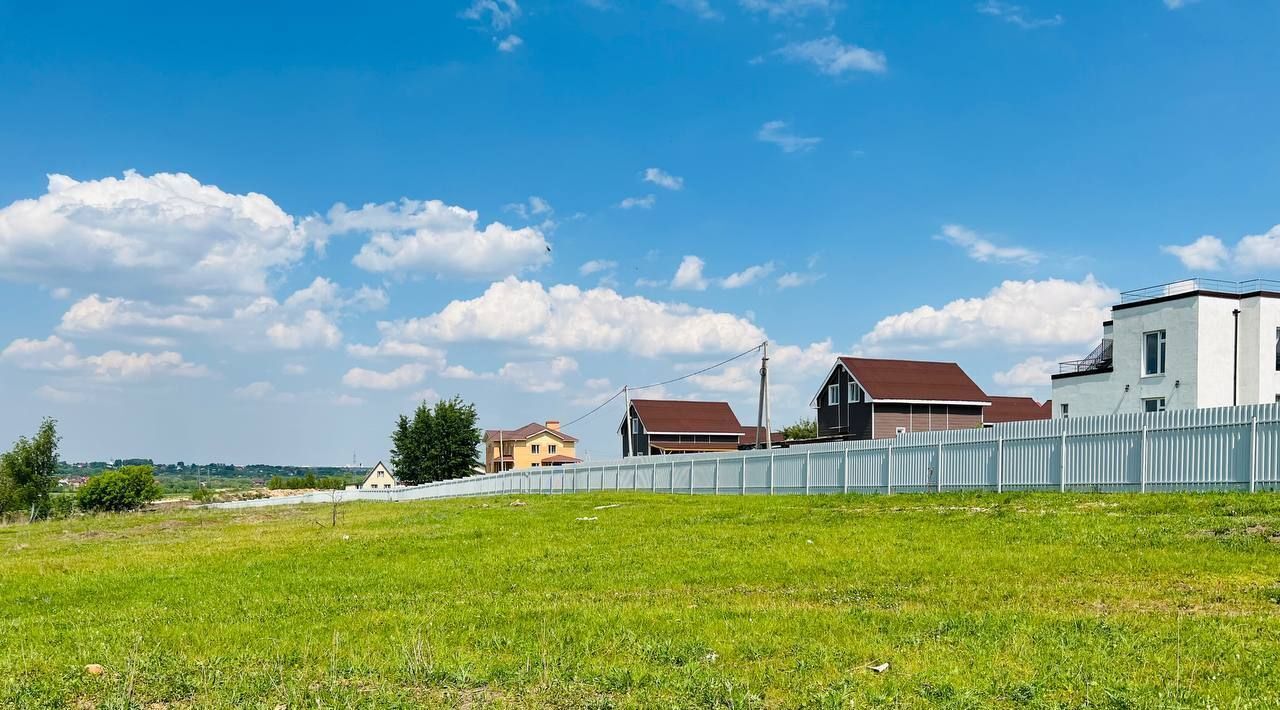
[(664, 382)]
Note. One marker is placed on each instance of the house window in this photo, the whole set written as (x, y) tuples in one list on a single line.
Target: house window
[(534, 448), (1153, 353), (855, 393), (833, 394), (635, 426), (1066, 411), (551, 448), (1153, 404), (899, 431)]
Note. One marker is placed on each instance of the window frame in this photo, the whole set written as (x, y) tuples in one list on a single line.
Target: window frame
[(833, 395), (1065, 409), (1163, 405), (535, 448), (1162, 352), (855, 393), (551, 448)]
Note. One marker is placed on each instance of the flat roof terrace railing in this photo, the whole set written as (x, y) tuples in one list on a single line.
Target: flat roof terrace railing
[(1176, 288)]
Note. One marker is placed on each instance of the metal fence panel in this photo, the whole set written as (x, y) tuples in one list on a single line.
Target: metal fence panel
[(1227, 447)]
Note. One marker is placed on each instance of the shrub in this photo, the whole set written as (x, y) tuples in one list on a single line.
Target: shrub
[(127, 488), (62, 505)]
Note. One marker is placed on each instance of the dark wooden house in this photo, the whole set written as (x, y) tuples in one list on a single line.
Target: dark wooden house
[(680, 427), (868, 398)]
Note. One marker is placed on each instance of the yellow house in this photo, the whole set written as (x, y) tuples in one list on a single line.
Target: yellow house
[(530, 446), (379, 477)]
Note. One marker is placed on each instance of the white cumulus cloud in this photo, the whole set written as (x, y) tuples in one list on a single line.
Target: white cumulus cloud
[(776, 132), (747, 276), (663, 179), (565, 317), (139, 234), (313, 329), (1207, 252), (831, 56), (689, 275), (399, 378), (1049, 312), (979, 248), (644, 203), (430, 237)]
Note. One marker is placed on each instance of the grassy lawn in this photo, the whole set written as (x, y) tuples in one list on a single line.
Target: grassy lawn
[(974, 600)]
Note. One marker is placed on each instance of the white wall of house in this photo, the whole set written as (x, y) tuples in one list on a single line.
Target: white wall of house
[(1200, 349), (1259, 332)]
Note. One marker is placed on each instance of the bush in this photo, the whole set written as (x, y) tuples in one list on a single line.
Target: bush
[(202, 495), (62, 505), (127, 488)]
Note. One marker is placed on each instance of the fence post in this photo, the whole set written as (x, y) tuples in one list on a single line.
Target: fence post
[(715, 478), (653, 479), (808, 461), (939, 481), (589, 479), (770, 474), (999, 463), (1062, 459), (1253, 454), (692, 465), (888, 474), (1142, 460), (844, 471), (744, 474)]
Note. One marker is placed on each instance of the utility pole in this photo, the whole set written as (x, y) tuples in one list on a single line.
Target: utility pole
[(762, 410), (627, 442)]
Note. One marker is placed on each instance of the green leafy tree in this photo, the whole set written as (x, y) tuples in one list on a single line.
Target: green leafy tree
[(28, 470), (437, 443), (803, 429), (127, 488), (455, 440)]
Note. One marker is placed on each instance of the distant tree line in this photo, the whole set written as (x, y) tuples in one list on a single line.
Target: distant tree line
[(308, 481), (439, 443)]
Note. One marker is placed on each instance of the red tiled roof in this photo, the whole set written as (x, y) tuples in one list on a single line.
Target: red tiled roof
[(684, 417), (560, 458), (1016, 409), (524, 432), (748, 437), (914, 380)]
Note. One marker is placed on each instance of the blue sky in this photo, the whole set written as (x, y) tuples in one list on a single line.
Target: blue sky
[(968, 182)]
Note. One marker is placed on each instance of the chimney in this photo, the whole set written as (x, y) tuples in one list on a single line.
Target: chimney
[(553, 425)]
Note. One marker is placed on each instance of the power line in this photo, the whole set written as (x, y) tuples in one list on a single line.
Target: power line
[(598, 408), (665, 382), (699, 372)]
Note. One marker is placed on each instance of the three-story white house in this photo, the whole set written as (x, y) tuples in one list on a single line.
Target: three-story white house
[(1184, 345)]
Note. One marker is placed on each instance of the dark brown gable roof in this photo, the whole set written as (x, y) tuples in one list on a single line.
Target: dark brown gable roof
[(749, 436), (524, 432), (1016, 409), (914, 380), (681, 417)]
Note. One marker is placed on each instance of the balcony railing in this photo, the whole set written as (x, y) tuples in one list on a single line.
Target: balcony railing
[(1096, 361), (1176, 288)]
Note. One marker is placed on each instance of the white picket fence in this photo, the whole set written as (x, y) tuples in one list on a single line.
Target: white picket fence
[(1229, 448)]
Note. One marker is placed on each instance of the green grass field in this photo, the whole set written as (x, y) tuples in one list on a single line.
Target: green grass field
[(1006, 600)]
